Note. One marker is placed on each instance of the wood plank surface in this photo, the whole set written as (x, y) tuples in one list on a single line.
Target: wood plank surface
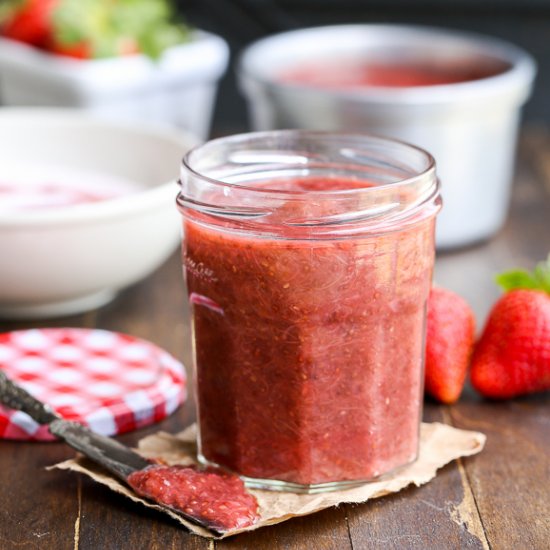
[(438, 515), (499, 499)]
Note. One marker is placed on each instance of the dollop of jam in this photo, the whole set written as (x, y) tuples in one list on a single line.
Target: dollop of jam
[(210, 495)]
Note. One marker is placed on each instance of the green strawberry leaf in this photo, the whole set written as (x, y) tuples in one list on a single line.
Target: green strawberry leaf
[(163, 37), (542, 274), (509, 280), (8, 8), (152, 23), (538, 279), (76, 21), (106, 25)]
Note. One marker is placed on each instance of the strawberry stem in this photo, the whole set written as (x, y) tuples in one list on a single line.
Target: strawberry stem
[(8, 8), (538, 279)]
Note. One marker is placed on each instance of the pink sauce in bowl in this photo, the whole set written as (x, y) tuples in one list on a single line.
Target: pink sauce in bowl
[(358, 73), (22, 191)]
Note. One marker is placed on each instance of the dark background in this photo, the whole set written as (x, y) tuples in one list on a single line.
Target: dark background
[(524, 22)]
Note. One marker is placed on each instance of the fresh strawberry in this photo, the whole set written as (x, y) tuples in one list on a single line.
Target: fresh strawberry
[(513, 355), (88, 49), (27, 21), (449, 344), (80, 50), (91, 29), (104, 28)]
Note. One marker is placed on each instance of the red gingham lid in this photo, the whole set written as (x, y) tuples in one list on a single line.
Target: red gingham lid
[(111, 382)]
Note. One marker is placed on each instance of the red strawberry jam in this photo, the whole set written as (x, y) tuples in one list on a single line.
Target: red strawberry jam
[(309, 351), (211, 496)]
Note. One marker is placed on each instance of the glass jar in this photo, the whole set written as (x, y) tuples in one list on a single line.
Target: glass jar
[(308, 259)]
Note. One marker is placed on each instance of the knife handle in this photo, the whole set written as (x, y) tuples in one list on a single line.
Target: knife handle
[(15, 397)]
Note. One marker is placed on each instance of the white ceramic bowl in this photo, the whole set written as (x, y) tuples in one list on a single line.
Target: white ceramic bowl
[(469, 127), (179, 88), (60, 261)]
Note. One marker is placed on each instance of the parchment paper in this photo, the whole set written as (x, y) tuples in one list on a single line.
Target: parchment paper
[(439, 445)]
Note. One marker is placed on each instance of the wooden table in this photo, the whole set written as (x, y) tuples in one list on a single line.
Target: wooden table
[(499, 499)]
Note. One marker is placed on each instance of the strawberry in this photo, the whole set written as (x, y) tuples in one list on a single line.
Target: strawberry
[(513, 355), (91, 29), (79, 50), (27, 21), (449, 344), (88, 49), (104, 28)]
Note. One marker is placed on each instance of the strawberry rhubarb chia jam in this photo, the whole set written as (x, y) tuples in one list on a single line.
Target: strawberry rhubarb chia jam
[(308, 261)]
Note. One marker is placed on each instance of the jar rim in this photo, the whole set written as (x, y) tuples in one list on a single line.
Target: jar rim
[(236, 139), (387, 183)]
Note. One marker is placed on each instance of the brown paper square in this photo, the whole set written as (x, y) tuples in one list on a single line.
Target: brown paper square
[(439, 445)]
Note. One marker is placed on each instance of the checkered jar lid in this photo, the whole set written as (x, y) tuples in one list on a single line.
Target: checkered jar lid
[(111, 382)]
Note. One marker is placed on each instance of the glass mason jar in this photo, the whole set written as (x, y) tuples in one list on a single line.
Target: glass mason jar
[(308, 259)]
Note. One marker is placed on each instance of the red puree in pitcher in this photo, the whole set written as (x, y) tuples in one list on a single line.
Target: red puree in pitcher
[(347, 74), (308, 351)]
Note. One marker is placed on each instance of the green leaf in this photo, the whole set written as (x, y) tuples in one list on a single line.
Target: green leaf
[(76, 21), (106, 24), (8, 8), (542, 275), (154, 42), (539, 279), (509, 280)]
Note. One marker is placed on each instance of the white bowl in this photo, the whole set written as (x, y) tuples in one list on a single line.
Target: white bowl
[(179, 88), (60, 261), (469, 127)]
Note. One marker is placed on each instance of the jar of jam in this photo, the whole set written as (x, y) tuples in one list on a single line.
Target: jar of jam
[(308, 260)]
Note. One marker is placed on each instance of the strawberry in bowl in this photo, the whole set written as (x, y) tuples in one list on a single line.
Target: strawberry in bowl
[(92, 29), (27, 21), (123, 59)]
